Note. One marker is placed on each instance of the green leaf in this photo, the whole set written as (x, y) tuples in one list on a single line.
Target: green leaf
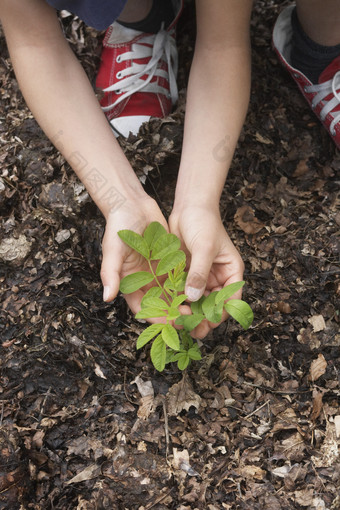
[(158, 353), (212, 312), (170, 356), (179, 269), (169, 262), (135, 281), (177, 356), (178, 300), (194, 353), (153, 232), (168, 285), (180, 282), (167, 243), (189, 322), (148, 334), (240, 311), (173, 313), (196, 306), (153, 292), (186, 340), (228, 291), (183, 361), (150, 313), (170, 337), (155, 302), (135, 241)]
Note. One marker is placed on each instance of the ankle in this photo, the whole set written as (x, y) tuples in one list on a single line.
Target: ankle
[(161, 14), (135, 10)]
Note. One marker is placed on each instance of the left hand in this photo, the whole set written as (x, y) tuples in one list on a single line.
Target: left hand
[(214, 260)]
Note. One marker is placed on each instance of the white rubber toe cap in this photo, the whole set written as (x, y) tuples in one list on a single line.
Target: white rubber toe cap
[(125, 125)]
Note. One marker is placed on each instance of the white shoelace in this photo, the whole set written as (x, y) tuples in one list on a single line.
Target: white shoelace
[(323, 90), (160, 46)]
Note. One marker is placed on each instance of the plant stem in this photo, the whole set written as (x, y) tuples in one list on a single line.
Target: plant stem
[(159, 284)]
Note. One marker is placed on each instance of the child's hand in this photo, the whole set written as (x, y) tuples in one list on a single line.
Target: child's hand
[(215, 262), (118, 259)]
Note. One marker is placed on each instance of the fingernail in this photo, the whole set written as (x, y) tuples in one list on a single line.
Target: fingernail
[(106, 292), (193, 294)]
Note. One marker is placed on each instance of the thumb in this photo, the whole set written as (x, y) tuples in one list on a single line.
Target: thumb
[(201, 261), (110, 271)]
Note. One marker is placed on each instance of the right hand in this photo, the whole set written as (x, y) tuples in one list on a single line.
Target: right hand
[(118, 259)]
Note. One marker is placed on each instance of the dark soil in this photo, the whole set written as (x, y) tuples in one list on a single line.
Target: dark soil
[(256, 424)]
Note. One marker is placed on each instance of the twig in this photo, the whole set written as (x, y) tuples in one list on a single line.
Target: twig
[(288, 392), (44, 403), (2, 413), (158, 500), (166, 426), (251, 414), (125, 389)]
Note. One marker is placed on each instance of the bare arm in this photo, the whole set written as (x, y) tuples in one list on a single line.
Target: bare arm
[(61, 98), (218, 95)]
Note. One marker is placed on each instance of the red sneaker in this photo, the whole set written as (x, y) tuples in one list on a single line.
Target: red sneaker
[(323, 98), (138, 74)]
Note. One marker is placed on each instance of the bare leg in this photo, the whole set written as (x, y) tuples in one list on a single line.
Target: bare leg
[(135, 10), (320, 19)]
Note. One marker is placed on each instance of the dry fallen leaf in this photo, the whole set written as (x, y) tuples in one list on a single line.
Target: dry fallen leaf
[(145, 407), (328, 454), (145, 388), (88, 473), (246, 220), (317, 404), (263, 139), (318, 323), (337, 425), (304, 497), (14, 249), (182, 396), (98, 371), (251, 471), (180, 456), (181, 461), (317, 368)]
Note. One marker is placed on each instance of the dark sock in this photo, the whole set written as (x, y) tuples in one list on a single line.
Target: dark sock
[(161, 12), (308, 56)]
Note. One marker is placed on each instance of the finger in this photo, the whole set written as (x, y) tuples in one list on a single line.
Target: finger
[(202, 258), (201, 330), (111, 269)]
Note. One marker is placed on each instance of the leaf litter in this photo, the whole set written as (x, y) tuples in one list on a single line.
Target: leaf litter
[(256, 424)]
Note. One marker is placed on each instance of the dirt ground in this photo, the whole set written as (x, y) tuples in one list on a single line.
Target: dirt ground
[(85, 421)]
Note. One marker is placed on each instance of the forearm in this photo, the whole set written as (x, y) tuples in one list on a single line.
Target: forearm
[(218, 95), (61, 98)]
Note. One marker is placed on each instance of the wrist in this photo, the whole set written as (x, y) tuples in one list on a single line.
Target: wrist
[(194, 209), (118, 196), (196, 198)]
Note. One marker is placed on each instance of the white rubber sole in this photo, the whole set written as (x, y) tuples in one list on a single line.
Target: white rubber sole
[(123, 126)]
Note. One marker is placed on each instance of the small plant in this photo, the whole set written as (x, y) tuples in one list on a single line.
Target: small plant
[(167, 276)]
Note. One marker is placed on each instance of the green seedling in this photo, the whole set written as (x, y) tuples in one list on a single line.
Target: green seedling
[(165, 278)]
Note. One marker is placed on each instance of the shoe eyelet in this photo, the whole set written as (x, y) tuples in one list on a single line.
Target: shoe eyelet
[(296, 75), (119, 75), (119, 59), (117, 92)]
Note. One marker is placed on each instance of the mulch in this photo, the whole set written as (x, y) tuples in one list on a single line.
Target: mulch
[(85, 421)]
